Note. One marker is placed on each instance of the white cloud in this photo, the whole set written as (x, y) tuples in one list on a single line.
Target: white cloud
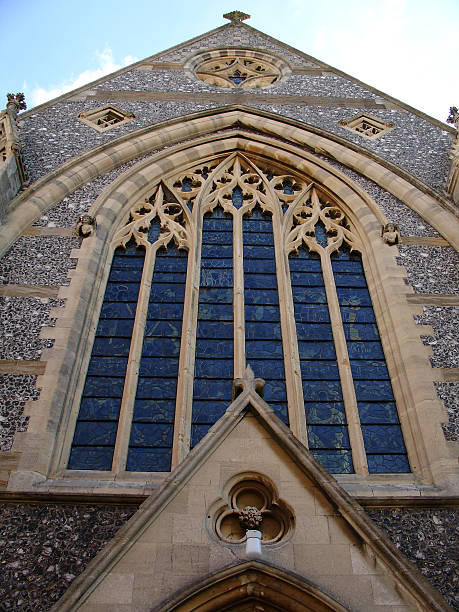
[(106, 65)]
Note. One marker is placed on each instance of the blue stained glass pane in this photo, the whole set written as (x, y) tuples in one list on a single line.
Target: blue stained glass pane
[(151, 435), (211, 389), (217, 237), (255, 329), (216, 278), (258, 252), (123, 292), (262, 313), (258, 281), (378, 412), (280, 410), (325, 370), (93, 433), (214, 348), (357, 314), (102, 386), (208, 411), (157, 347), (275, 391), (322, 390), (107, 366), (268, 368), (365, 350), (258, 238), (383, 439), (156, 387), (287, 188), (348, 296), (214, 329), (126, 275), (170, 264), (388, 464), (369, 370), (266, 296), (304, 262), (169, 278), (316, 350), (168, 311), (115, 327), (149, 460), (311, 313), (154, 411), (209, 264), (165, 329), (90, 458), (373, 390), (307, 279), (350, 280), (215, 295), (336, 462), (347, 266), (198, 431), (117, 347), (260, 266), (154, 231), (264, 349), (357, 331), (215, 312), (325, 413), (321, 236), (313, 331), (309, 295), (158, 366), (328, 436), (213, 251), (237, 197), (186, 184), (167, 293), (103, 408), (216, 368), (121, 310)]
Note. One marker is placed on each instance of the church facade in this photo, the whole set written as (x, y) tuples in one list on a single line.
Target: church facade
[(229, 364)]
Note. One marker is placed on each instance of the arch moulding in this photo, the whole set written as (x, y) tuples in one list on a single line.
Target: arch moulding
[(407, 358)]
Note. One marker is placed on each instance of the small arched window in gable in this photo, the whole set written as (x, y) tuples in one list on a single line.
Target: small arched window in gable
[(229, 264)]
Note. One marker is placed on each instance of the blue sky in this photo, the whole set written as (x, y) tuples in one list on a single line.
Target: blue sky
[(407, 48)]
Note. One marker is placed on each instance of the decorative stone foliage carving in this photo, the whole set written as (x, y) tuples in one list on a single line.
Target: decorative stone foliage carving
[(367, 126), (251, 502), (240, 68), (236, 16)]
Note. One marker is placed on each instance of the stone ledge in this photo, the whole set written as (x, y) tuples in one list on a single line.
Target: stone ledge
[(433, 299), (423, 241), (22, 366), (39, 291), (234, 98), (49, 231)]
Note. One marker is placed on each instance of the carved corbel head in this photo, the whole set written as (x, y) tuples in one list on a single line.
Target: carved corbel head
[(453, 116), (390, 233), (85, 226)]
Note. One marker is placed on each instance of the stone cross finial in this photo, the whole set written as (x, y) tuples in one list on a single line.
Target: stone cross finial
[(453, 116), (18, 101), (236, 16), (248, 383)]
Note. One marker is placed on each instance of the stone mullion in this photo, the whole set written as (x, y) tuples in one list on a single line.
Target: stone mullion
[(238, 293), (132, 370), (185, 380), (359, 457), (295, 398)]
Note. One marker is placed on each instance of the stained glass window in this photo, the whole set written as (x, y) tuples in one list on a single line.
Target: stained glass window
[(228, 264)]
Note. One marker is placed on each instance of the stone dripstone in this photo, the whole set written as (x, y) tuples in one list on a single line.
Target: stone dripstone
[(54, 135), (44, 547), (15, 391), (21, 320), (39, 260), (234, 36), (431, 269), (444, 342), (428, 537), (415, 144), (448, 392), (67, 212), (409, 222)]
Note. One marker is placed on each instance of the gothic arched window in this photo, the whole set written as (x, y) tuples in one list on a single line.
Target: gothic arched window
[(224, 265)]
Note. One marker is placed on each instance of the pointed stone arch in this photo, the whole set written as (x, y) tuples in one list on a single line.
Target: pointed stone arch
[(251, 587), (263, 145)]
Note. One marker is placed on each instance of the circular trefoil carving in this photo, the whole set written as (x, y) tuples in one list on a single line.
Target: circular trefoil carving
[(237, 68), (251, 505)]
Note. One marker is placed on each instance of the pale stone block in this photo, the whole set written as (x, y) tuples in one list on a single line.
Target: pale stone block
[(341, 532), (356, 593), (363, 561), (312, 530), (188, 529), (385, 592), (314, 559), (115, 589)]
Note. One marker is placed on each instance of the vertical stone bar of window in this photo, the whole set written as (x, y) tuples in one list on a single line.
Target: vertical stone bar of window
[(97, 424), (212, 391)]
